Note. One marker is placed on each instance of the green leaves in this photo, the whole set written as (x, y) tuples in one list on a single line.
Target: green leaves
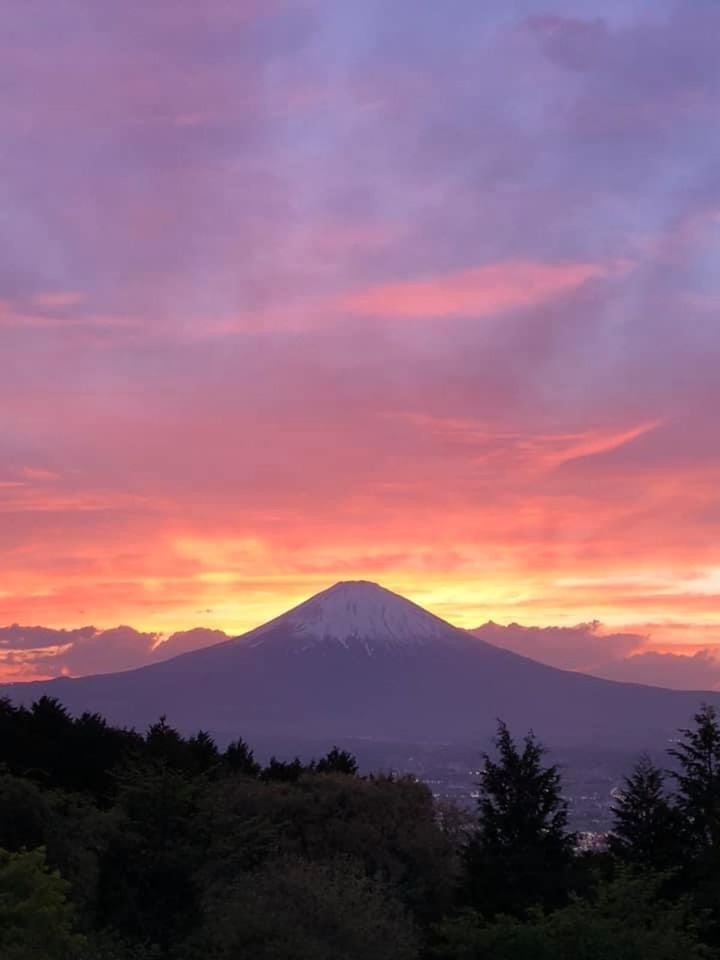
[(625, 919), (291, 909), (36, 919)]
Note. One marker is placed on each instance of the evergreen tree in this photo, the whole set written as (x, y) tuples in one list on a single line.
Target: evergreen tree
[(337, 761), (203, 753), (47, 728), (287, 771), (698, 779), (647, 828), (165, 745), (239, 758), (522, 851)]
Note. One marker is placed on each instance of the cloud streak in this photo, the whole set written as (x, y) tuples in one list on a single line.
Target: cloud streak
[(484, 291)]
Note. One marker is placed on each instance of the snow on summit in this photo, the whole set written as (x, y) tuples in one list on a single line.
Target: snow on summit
[(355, 614)]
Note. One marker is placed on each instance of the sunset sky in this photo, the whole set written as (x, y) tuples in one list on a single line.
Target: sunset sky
[(295, 291)]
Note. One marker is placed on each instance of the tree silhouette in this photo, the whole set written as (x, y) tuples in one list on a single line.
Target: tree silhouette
[(698, 779), (239, 758), (647, 829), (202, 753), (287, 771), (337, 761), (521, 852), (164, 744)]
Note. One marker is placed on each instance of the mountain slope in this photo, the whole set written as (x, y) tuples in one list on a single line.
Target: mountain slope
[(358, 661)]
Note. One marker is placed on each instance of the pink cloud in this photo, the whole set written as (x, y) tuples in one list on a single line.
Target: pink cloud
[(679, 671), (582, 647), (58, 298), (627, 657), (482, 291), (31, 653)]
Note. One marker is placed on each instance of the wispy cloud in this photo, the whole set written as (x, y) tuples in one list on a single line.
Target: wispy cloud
[(479, 292)]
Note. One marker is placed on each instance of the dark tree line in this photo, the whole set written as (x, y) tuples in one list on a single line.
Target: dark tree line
[(117, 845)]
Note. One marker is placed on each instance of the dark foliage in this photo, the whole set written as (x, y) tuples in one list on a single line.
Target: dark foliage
[(521, 853), (698, 779), (239, 758), (337, 761), (298, 909), (47, 745), (121, 846), (647, 829), (624, 919), (697, 800), (282, 770)]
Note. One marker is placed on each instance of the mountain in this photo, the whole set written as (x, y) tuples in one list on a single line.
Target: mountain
[(357, 661)]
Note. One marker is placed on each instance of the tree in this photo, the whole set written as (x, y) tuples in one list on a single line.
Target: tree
[(93, 750), (146, 885), (647, 829), (521, 853), (239, 758), (46, 728), (625, 920), (286, 771), (294, 910), (36, 920), (46, 744), (387, 825), (698, 756), (25, 814), (164, 744), (337, 761), (202, 752), (698, 800)]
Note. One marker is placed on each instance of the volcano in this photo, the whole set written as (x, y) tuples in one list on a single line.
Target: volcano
[(360, 662)]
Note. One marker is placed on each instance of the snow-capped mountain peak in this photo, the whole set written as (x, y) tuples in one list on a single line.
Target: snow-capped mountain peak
[(356, 615)]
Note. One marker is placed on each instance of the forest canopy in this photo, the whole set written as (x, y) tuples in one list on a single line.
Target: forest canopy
[(116, 844)]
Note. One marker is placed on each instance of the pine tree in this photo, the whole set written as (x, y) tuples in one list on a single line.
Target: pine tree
[(164, 744), (240, 759), (337, 761), (698, 779), (285, 771), (203, 753), (647, 828), (521, 853)]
